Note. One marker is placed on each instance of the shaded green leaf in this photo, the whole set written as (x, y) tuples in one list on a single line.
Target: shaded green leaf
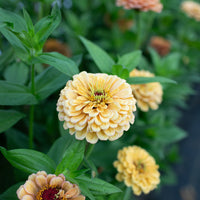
[(60, 62), (8, 118), (120, 71), (29, 161), (17, 73), (59, 147), (98, 185), (15, 94), (73, 157), (49, 81), (130, 60), (100, 57), (85, 191), (143, 80), (10, 193)]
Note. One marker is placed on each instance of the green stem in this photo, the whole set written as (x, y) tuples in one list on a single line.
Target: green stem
[(139, 31), (89, 149), (31, 114)]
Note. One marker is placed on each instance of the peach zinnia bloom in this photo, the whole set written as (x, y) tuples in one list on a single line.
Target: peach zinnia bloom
[(138, 169), (41, 186), (143, 5), (192, 9), (161, 45), (148, 95), (96, 106)]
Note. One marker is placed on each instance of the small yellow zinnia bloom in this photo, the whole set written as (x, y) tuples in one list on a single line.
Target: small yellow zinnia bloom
[(137, 168), (143, 5), (148, 95), (192, 9), (96, 106), (43, 186)]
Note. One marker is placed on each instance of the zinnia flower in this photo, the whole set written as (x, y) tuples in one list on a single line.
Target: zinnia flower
[(161, 45), (53, 45), (96, 106), (137, 168), (41, 186), (143, 5), (147, 95), (192, 9)]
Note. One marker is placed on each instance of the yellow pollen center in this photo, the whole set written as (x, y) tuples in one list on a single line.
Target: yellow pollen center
[(139, 167)]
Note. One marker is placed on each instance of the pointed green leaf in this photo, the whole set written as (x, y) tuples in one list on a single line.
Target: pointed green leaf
[(98, 185), (100, 57), (120, 71), (60, 62), (29, 22), (59, 147), (130, 60), (15, 94), (29, 161), (10, 193), (8, 118), (49, 81), (143, 80), (73, 157)]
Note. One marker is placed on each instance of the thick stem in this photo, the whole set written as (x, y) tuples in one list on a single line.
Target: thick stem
[(89, 149), (31, 114), (139, 31)]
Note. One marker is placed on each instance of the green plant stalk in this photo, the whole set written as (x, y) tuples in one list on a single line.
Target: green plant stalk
[(31, 114), (88, 150), (138, 42)]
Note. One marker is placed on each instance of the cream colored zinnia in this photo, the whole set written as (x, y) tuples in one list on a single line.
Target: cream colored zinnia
[(148, 95), (192, 9), (138, 169), (43, 186), (96, 106), (143, 5)]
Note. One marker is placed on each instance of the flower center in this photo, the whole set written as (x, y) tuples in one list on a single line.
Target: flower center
[(49, 193), (98, 96), (139, 167)]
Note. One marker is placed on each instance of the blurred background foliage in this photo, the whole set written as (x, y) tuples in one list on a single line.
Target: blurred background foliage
[(116, 31)]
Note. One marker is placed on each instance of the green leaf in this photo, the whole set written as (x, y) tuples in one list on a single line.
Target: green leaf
[(15, 94), (47, 25), (8, 118), (170, 134), (20, 50), (16, 20), (60, 62), (130, 60), (85, 191), (48, 82), (100, 57), (59, 147), (73, 157), (17, 73), (120, 71), (10, 193), (29, 161), (143, 80), (98, 185), (16, 139), (155, 58), (29, 22)]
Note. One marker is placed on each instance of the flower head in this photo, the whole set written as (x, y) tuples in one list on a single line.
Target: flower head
[(137, 168), (53, 45), (96, 106), (148, 95), (43, 186), (143, 5), (192, 9), (161, 45)]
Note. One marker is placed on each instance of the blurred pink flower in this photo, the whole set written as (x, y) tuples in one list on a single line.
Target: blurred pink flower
[(143, 5)]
